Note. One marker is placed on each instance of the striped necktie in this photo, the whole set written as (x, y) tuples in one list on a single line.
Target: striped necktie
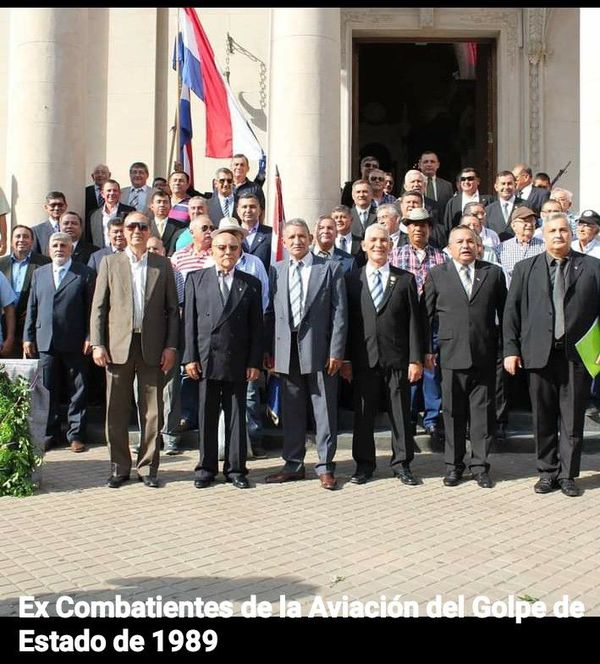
[(223, 287), (296, 294), (376, 289), (465, 277), (225, 207)]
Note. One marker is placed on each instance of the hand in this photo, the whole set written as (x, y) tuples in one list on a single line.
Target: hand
[(167, 360), (430, 361), (87, 348), (7, 346), (333, 366), (346, 371), (268, 362), (512, 364), (415, 371), (193, 370), (100, 356), (29, 349), (597, 360), (252, 374)]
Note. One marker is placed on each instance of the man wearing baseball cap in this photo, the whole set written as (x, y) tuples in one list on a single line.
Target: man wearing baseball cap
[(588, 226)]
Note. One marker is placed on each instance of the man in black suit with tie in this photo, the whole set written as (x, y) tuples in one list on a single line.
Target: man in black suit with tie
[(93, 193), (554, 299), (71, 224), (364, 211), (258, 237), (498, 214), (529, 195), (468, 181), (163, 227), (57, 327), (436, 188), (223, 350), (222, 202), (18, 268), (385, 349), (466, 295), (345, 239)]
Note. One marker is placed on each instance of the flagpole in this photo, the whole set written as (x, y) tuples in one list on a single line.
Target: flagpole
[(177, 135), (173, 136)]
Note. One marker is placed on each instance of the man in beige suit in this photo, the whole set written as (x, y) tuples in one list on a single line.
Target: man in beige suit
[(134, 332)]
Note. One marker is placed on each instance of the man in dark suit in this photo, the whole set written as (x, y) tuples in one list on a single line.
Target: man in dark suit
[(498, 214), (436, 188), (553, 301), (98, 226), (93, 193), (385, 349), (364, 211), (222, 203), (468, 181), (18, 268), (306, 326), (55, 205), (367, 164), (466, 295), (134, 330), (324, 244), (162, 226), (258, 237), (71, 224), (345, 239), (116, 236), (532, 197), (57, 327), (223, 350)]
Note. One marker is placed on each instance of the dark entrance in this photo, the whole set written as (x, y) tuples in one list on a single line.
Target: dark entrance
[(416, 96)]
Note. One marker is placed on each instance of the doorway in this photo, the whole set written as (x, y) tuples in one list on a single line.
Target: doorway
[(426, 95)]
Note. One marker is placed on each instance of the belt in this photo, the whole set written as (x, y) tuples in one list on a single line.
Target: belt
[(558, 345)]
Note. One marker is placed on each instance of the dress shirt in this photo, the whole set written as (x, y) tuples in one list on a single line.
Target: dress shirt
[(139, 269), (307, 261), (512, 251), (140, 193), (252, 234), (348, 238), (228, 277), (254, 266), (418, 262), (469, 199), (161, 224), (56, 268), (18, 272), (363, 215), (591, 249), (384, 272), (471, 267), (526, 192), (106, 217), (186, 260), (231, 202), (489, 238)]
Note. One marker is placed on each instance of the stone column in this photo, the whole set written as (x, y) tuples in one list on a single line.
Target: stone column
[(589, 103), (46, 119), (304, 109)]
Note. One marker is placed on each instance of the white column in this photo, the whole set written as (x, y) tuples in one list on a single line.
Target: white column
[(304, 109), (589, 103), (46, 119)]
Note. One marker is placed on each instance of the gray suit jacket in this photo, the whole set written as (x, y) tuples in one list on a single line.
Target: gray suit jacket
[(323, 328), (41, 237), (96, 228), (357, 227), (125, 199)]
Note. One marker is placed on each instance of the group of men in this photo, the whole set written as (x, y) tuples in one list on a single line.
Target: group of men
[(369, 296)]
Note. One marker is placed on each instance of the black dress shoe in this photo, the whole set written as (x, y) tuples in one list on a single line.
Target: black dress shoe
[(360, 478), (239, 482), (484, 480), (544, 485), (406, 477), (149, 480), (258, 451), (453, 477), (569, 488), (203, 483), (115, 481)]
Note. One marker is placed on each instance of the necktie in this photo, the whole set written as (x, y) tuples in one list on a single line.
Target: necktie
[(430, 193), (363, 217), (223, 287), (505, 211), (377, 289), (100, 198), (343, 244), (60, 275), (296, 294), (135, 197), (226, 207), (323, 254), (558, 299), (465, 277)]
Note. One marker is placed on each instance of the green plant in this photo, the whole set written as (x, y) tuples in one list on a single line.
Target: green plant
[(18, 457)]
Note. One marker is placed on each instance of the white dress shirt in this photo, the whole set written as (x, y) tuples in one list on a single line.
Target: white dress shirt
[(56, 268), (139, 269), (348, 238), (384, 271), (471, 268)]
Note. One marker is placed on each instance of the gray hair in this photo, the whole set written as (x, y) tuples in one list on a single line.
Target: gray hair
[(456, 229), (376, 227), (61, 237), (389, 207), (297, 222)]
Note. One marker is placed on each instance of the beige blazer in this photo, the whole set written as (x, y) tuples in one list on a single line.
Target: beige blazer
[(111, 321)]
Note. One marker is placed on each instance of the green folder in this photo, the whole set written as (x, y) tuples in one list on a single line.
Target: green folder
[(588, 348)]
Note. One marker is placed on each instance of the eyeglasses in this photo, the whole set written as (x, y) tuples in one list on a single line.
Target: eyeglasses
[(370, 164), (135, 225), (468, 178), (223, 247), (207, 228), (376, 179), (225, 180)]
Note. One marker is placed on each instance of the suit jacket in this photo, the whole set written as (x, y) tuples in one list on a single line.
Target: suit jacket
[(58, 319), (261, 245), (322, 330), (97, 256), (453, 211), (125, 198), (35, 261), (224, 340), (215, 211), (494, 218), (467, 329), (173, 229), (537, 197), (91, 204), (347, 261), (83, 251), (357, 227), (41, 237), (445, 191), (111, 322), (392, 337), (96, 229), (529, 319)]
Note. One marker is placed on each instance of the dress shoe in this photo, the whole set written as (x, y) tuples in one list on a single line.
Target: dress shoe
[(171, 449), (328, 481), (115, 481), (544, 485), (283, 476), (239, 482), (406, 477), (360, 478), (569, 488), (77, 446), (501, 431), (184, 425), (50, 442), (149, 480), (484, 480), (436, 434), (258, 451), (203, 483), (453, 477)]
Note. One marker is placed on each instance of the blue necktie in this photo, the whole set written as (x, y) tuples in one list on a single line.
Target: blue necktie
[(377, 289)]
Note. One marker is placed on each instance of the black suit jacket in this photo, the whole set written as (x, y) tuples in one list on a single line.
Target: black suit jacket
[(94, 230), (173, 229), (453, 211), (261, 245), (224, 340), (529, 316), (346, 260), (35, 261), (83, 251), (494, 219), (537, 197), (467, 329), (357, 227), (445, 191), (392, 337)]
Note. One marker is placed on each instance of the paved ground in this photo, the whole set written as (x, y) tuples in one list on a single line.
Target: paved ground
[(79, 538)]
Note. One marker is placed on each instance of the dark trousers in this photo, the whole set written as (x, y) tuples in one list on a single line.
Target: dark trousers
[(559, 394), (369, 385), (297, 390), (231, 396), (469, 395), (74, 367)]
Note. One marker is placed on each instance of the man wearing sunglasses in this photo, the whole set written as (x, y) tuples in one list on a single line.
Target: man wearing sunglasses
[(222, 202), (377, 182), (367, 164), (468, 181), (134, 329)]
